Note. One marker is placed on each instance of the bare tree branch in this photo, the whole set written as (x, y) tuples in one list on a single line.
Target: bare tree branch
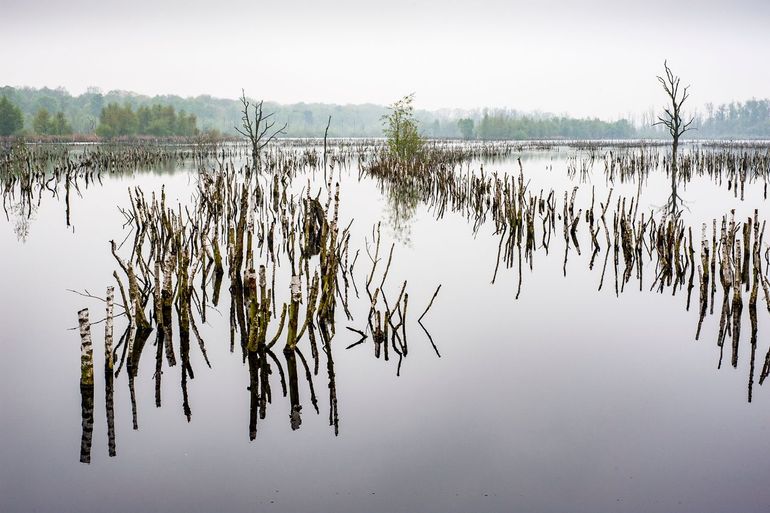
[(259, 129)]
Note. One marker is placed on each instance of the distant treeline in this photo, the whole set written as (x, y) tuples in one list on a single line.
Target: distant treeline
[(84, 112), (505, 126), (750, 119), (119, 113), (161, 121)]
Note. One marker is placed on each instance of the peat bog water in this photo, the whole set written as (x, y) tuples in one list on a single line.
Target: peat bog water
[(505, 327)]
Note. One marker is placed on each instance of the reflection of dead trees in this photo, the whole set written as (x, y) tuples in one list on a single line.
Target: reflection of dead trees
[(737, 303), (87, 416), (296, 298), (260, 392), (385, 323), (329, 265), (674, 202), (676, 125), (295, 416), (44, 169), (262, 228), (307, 234), (334, 419), (419, 321), (137, 302), (704, 275), (739, 269), (661, 238), (261, 363), (163, 311), (670, 241), (627, 242), (174, 250), (183, 314), (756, 277), (170, 241), (30, 172), (87, 378)]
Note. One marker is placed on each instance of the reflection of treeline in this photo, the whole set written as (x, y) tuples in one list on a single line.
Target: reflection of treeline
[(158, 120)]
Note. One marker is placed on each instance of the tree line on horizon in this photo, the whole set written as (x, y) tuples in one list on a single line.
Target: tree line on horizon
[(48, 111), (117, 120)]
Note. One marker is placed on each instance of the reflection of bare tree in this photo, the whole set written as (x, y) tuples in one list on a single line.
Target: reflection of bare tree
[(23, 215), (295, 416), (87, 421), (675, 203), (672, 120), (402, 204)]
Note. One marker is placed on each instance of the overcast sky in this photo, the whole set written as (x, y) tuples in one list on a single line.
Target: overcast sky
[(593, 57)]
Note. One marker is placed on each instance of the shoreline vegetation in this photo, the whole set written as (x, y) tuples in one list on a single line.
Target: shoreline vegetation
[(55, 115), (7, 143)]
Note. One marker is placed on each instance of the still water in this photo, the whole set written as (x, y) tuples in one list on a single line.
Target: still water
[(568, 398)]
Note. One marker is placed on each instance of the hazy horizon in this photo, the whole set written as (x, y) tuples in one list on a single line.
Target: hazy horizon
[(596, 59)]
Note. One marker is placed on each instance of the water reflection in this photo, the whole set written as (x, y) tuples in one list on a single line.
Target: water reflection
[(30, 173), (657, 245), (87, 416), (287, 259), (268, 247), (402, 204)]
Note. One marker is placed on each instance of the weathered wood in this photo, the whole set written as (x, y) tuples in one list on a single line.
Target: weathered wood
[(86, 349)]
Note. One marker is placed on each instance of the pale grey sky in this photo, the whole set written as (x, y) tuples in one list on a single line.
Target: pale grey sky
[(594, 57)]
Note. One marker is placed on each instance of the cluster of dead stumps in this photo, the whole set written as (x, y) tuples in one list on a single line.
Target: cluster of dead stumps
[(287, 260), (615, 230), (270, 232)]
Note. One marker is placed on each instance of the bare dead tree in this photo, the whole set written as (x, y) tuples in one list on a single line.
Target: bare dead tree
[(326, 133), (258, 128), (672, 120)]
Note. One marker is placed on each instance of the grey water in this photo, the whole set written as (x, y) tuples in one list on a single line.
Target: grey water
[(568, 398)]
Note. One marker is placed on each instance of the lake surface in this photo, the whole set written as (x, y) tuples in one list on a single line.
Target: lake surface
[(569, 398)]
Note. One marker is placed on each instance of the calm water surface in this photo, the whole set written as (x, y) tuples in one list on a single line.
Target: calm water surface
[(567, 399)]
